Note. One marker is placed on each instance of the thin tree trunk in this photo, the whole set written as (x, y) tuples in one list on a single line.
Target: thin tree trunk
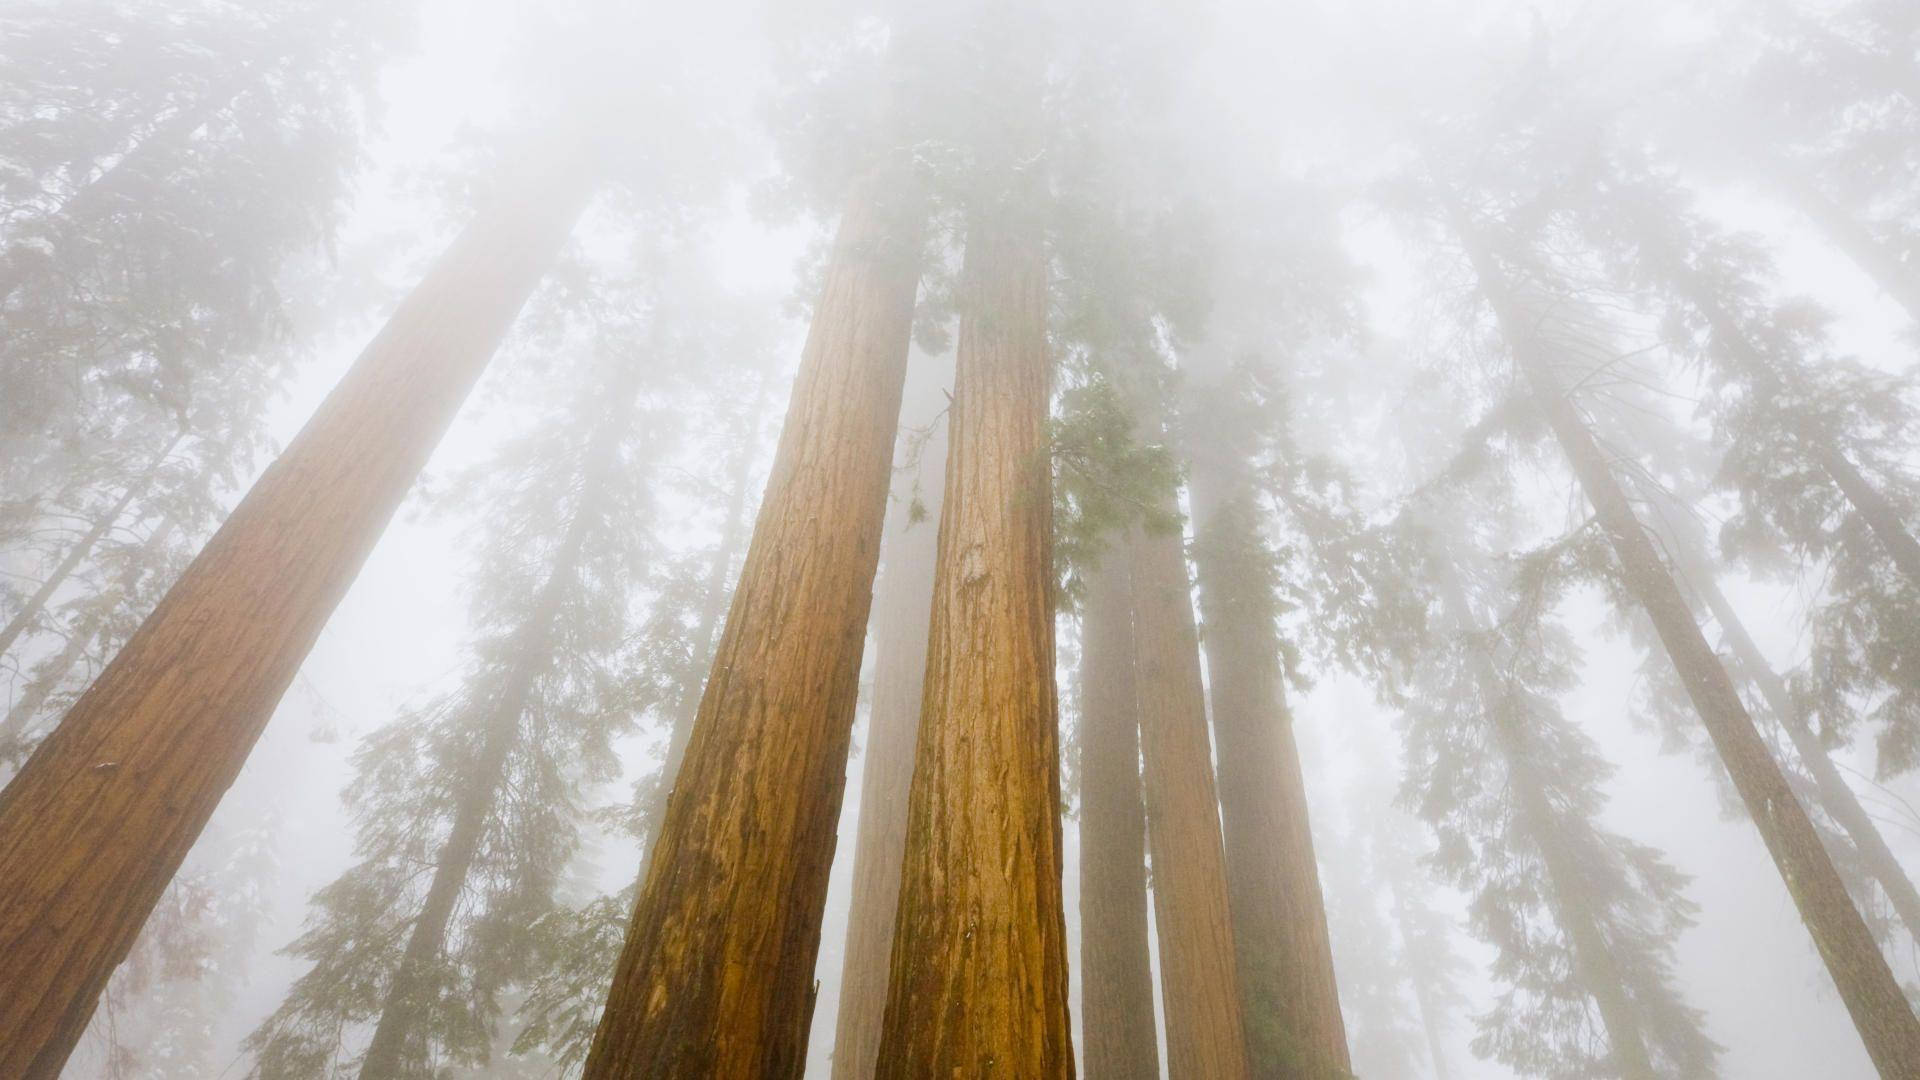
[(716, 975), (1881, 517), (1283, 950), (1836, 796), (77, 554), (979, 966), (398, 1047), (902, 612), (1118, 1040), (13, 729), (1422, 992), (1880, 1011), (105, 810), (713, 606), (1199, 976), (1867, 251), (1593, 961)]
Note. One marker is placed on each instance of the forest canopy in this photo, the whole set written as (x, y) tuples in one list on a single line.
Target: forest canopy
[(893, 538)]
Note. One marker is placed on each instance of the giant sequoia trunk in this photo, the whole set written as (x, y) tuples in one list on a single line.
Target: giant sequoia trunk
[(901, 612), (36, 604), (1117, 1022), (1835, 795), (1199, 980), (1880, 1011), (105, 810), (979, 968), (1285, 957), (716, 975), (399, 1047)]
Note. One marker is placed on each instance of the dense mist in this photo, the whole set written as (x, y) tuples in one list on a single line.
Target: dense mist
[(878, 540)]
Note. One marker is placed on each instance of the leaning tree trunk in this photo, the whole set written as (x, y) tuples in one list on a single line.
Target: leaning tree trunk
[(716, 975), (1199, 980), (979, 965), (1849, 234), (1879, 1009), (1880, 515), (1281, 943), (53, 672), (1118, 1037), (399, 1045), (901, 614), (1835, 795), (37, 603), (105, 810)]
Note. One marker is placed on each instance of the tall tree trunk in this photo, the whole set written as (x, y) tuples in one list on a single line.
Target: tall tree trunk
[(1423, 999), (716, 975), (1118, 1040), (1848, 233), (1880, 515), (1199, 980), (13, 729), (1880, 1011), (105, 810), (1836, 796), (901, 614), (1283, 951), (1593, 961), (399, 1046), (979, 965), (713, 605), (36, 604)]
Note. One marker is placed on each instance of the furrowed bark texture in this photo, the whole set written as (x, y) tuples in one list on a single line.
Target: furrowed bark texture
[(979, 966), (716, 975), (1285, 957), (901, 613), (1836, 796), (1880, 1011), (1118, 1038), (105, 810), (399, 1048), (1199, 979)]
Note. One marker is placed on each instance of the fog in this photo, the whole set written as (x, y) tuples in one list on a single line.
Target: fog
[(985, 539)]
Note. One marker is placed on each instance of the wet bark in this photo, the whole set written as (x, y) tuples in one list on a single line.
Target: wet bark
[(979, 969), (902, 611), (105, 810), (36, 604), (1119, 1040), (1879, 1010), (716, 975), (1285, 957), (399, 1047), (1199, 979)]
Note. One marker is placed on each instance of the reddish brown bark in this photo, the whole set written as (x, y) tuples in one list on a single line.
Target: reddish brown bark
[(901, 613), (1199, 974), (104, 812), (716, 975), (979, 967), (1873, 998), (1117, 1021), (1284, 954)]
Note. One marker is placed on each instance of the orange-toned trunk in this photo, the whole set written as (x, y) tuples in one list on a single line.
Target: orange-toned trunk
[(979, 968), (1118, 1038), (901, 612), (105, 810), (716, 977), (1294, 1025), (1199, 975)]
